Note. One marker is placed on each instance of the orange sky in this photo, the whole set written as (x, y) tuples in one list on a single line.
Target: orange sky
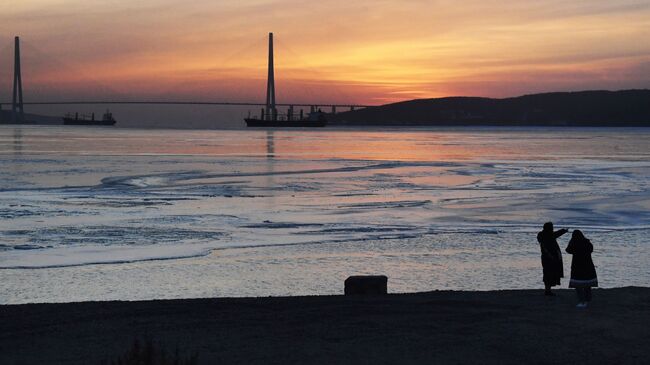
[(362, 51)]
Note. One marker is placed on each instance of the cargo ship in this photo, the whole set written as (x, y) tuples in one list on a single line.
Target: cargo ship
[(7, 117), (76, 119), (313, 119)]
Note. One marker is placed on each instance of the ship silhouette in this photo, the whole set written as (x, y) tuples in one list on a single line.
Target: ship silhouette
[(76, 119), (312, 119)]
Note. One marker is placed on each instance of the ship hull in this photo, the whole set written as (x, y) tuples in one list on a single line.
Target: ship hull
[(259, 123), (72, 121)]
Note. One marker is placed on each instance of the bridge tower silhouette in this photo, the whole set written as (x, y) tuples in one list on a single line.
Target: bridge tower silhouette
[(17, 108), (271, 111)]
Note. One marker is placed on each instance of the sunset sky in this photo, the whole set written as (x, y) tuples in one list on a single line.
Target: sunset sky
[(362, 51)]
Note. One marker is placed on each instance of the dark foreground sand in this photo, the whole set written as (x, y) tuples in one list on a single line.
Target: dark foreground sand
[(504, 327)]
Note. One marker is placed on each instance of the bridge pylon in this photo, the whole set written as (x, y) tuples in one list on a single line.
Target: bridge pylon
[(271, 112), (17, 109)]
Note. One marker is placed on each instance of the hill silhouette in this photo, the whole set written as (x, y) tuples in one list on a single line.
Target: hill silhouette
[(582, 108)]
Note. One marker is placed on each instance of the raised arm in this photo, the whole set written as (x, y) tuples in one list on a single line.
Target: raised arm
[(560, 232)]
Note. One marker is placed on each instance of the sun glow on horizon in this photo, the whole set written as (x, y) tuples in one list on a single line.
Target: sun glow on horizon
[(362, 52)]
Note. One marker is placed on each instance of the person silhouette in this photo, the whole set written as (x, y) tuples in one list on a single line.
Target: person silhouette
[(583, 272), (551, 256)]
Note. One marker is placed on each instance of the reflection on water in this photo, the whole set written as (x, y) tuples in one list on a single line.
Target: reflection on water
[(270, 145), (274, 212), (270, 171), (18, 141), (421, 145)]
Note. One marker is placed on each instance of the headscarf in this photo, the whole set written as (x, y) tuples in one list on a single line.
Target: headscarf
[(577, 235)]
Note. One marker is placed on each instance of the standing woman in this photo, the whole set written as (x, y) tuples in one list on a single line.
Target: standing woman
[(583, 272), (551, 256)]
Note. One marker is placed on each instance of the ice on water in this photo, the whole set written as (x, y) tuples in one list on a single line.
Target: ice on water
[(73, 197)]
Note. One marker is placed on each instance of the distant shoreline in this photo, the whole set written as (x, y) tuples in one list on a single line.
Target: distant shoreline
[(497, 327), (625, 108), (596, 108), (343, 128)]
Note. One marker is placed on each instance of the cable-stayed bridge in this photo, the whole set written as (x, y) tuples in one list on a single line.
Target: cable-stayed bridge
[(268, 112)]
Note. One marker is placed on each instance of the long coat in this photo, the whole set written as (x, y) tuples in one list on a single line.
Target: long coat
[(551, 256), (583, 272)]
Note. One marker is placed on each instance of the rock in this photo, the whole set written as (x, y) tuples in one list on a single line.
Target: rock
[(366, 285)]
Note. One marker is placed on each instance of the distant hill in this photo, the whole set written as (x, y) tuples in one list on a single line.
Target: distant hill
[(582, 108)]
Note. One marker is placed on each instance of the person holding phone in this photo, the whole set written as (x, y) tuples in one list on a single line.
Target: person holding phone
[(551, 256)]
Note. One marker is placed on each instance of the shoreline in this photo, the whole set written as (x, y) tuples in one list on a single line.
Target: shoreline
[(491, 327)]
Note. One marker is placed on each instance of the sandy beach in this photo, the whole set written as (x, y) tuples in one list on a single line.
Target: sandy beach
[(493, 327)]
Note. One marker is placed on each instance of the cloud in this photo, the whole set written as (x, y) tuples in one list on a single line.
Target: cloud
[(373, 50)]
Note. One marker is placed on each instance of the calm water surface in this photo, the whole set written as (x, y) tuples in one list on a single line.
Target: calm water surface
[(109, 213)]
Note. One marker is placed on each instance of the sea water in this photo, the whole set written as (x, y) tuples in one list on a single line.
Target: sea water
[(124, 214)]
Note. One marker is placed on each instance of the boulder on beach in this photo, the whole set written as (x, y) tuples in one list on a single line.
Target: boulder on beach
[(366, 285)]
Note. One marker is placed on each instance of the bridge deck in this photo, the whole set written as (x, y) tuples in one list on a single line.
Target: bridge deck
[(183, 103)]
